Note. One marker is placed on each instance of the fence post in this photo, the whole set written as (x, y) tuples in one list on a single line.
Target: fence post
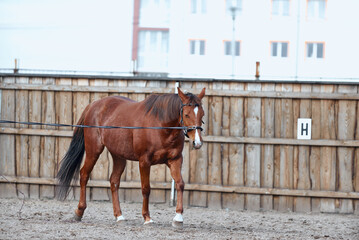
[(258, 64), (16, 69)]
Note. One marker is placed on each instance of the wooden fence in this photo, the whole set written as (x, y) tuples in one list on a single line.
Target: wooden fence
[(251, 158)]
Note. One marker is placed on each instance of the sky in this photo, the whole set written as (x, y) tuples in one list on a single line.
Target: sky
[(66, 35)]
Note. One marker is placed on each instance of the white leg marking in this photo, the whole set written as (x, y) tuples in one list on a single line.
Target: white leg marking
[(120, 218), (147, 222), (178, 218)]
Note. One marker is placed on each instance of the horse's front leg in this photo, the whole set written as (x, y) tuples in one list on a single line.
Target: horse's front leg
[(175, 167), (145, 170)]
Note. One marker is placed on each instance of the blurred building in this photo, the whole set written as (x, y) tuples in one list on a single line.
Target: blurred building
[(290, 38)]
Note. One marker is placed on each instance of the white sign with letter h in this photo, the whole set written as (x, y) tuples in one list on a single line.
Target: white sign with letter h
[(304, 129)]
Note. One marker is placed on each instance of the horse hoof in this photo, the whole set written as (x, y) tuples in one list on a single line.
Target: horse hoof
[(177, 224), (177, 221), (77, 217), (120, 219), (150, 222)]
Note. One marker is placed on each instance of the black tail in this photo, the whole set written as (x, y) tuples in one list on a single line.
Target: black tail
[(70, 164)]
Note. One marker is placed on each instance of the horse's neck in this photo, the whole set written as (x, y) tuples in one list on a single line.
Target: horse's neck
[(173, 123)]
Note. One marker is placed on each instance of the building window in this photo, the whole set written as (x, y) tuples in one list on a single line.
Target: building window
[(279, 49), (153, 50), (316, 9), (198, 6), (228, 48), (197, 47), (315, 50), (280, 7)]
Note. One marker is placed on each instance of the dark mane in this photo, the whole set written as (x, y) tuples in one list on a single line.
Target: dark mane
[(166, 107)]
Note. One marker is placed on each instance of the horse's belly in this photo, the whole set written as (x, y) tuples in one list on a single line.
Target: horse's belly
[(124, 153), (120, 145)]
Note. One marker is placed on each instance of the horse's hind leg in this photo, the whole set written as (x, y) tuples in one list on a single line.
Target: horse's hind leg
[(145, 170), (91, 158), (119, 165)]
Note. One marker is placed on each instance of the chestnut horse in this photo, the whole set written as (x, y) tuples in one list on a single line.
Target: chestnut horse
[(147, 146)]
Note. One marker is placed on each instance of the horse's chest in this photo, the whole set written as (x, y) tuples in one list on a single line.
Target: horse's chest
[(163, 155)]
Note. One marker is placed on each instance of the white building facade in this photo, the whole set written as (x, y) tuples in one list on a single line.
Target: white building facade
[(291, 39)]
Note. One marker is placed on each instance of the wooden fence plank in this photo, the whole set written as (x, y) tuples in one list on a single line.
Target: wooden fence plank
[(48, 148), (7, 142), (277, 149), (21, 141), (225, 133), (346, 130), (253, 151), (296, 115), (328, 154), (35, 103), (267, 156), (236, 151), (286, 152), (315, 151), (214, 149)]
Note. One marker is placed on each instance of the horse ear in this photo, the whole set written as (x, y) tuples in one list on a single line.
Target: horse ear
[(201, 95), (183, 96)]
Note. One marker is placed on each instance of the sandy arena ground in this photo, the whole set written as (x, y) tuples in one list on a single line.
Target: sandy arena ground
[(51, 219)]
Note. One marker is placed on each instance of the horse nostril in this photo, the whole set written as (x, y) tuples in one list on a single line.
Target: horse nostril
[(197, 145)]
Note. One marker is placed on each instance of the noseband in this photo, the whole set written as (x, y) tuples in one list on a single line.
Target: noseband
[(188, 129)]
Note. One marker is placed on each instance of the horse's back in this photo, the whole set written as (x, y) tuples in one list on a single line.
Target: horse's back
[(104, 107)]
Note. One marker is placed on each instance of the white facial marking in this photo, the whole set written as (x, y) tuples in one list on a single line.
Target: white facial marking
[(197, 139), (178, 218), (195, 111)]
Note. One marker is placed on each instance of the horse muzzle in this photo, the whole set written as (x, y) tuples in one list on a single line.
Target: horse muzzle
[(197, 141), (197, 145)]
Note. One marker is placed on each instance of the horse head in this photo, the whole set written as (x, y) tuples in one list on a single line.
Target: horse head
[(191, 116)]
